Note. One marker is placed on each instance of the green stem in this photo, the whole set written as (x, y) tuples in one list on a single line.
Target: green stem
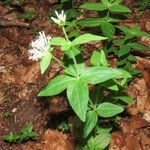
[(75, 67), (91, 104), (108, 13), (59, 61), (74, 60), (64, 31)]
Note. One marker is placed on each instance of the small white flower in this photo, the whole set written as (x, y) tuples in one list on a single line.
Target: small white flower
[(39, 47), (61, 18)]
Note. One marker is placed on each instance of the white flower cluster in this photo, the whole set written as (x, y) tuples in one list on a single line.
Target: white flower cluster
[(39, 47), (61, 18)]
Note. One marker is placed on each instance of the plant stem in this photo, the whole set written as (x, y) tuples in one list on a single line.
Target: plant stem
[(108, 13), (64, 31), (59, 61), (74, 60), (91, 104)]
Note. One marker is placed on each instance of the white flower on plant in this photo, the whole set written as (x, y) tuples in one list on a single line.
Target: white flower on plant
[(61, 18), (40, 46)]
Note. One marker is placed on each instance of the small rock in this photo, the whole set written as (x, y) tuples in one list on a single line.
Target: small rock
[(146, 116)]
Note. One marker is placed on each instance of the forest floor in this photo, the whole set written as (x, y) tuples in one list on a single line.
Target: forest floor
[(20, 81)]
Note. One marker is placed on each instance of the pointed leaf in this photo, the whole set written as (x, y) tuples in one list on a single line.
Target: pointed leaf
[(100, 142), (125, 49), (56, 85), (108, 29), (139, 46), (116, 2), (58, 41), (124, 97), (45, 61), (120, 8), (78, 96), (95, 75), (108, 109), (90, 123), (98, 59), (85, 38), (110, 84), (124, 29), (91, 22), (94, 6)]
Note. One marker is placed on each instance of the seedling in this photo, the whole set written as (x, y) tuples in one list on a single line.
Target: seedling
[(63, 126), (27, 133), (27, 15), (7, 114)]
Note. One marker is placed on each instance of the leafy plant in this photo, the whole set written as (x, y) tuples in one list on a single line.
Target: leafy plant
[(142, 5), (121, 47), (27, 133), (63, 126), (7, 114), (107, 98), (77, 77), (11, 138), (27, 15)]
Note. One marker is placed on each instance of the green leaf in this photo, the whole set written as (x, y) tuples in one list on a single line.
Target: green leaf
[(125, 74), (78, 96), (124, 29), (124, 97), (120, 8), (109, 19), (108, 109), (116, 2), (105, 129), (108, 29), (106, 3), (70, 25), (11, 138), (63, 126), (58, 41), (56, 85), (122, 62), (132, 58), (73, 33), (94, 6), (66, 47), (139, 46), (100, 142), (110, 84), (90, 123), (118, 41), (125, 49), (27, 15), (27, 132), (95, 75), (134, 31), (91, 22), (98, 59), (85, 38), (45, 61), (72, 52), (95, 58), (74, 70), (72, 13)]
